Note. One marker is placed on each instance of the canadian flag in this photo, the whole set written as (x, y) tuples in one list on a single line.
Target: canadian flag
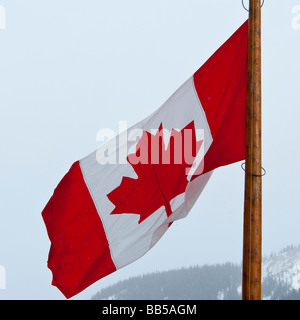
[(116, 203)]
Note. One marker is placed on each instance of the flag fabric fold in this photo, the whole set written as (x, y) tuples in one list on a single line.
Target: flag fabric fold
[(116, 203)]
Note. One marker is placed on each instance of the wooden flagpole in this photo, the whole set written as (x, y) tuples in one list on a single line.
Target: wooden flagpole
[(252, 246)]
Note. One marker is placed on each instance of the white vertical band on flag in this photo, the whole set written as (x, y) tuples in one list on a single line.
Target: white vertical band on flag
[(128, 240)]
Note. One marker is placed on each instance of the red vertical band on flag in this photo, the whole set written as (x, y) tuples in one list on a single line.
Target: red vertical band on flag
[(221, 85), (79, 253)]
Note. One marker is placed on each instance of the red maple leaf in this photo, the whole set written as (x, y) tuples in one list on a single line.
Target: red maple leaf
[(162, 173)]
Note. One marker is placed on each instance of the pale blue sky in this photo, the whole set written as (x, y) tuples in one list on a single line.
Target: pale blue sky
[(69, 68)]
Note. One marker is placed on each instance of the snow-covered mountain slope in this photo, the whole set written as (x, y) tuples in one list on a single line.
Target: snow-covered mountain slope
[(280, 280), (285, 267)]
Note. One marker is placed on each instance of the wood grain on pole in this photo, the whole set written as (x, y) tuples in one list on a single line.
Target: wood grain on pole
[(252, 246)]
